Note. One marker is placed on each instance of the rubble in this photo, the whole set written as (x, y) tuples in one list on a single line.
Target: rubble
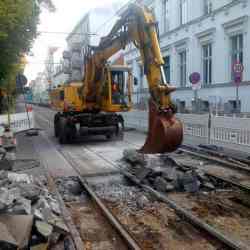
[(160, 184), (15, 230), (28, 211), (70, 188), (134, 157), (44, 228), (142, 201), (142, 172), (130, 198), (166, 175)]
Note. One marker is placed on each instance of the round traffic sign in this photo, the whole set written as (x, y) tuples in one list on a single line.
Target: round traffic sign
[(238, 67), (195, 77)]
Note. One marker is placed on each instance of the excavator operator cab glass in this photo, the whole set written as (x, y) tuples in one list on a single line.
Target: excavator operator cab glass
[(120, 94)]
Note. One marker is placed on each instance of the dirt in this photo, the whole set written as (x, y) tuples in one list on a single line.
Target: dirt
[(96, 233), (157, 227), (222, 211)]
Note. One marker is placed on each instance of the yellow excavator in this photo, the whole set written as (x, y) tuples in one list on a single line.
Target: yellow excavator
[(90, 107)]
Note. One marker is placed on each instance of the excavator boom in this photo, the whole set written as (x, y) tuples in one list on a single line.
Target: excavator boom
[(137, 25)]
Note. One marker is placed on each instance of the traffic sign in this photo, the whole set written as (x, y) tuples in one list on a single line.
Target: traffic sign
[(195, 78), (238, 67)]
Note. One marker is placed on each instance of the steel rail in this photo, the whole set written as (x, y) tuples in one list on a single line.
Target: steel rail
[(190, 217), (179, 210), (77, 241), (216, 160), (131, 242), (233, 183), (236, 159), (241, 186)]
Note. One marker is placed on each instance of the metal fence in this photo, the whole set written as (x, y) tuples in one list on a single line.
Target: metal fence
[(232, 132)]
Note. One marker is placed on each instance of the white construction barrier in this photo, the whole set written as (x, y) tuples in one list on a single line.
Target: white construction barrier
[(232, 132), (19, 122)]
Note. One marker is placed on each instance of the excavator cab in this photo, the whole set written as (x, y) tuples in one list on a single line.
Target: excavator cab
[(118, 83)]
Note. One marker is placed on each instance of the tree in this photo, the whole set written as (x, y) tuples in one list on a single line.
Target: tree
[(18, 29)]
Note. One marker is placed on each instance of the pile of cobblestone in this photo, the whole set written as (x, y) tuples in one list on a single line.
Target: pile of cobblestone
[(165, 174), (29, 214)]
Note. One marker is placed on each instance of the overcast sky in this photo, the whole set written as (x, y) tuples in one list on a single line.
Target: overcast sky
[(67, 15)]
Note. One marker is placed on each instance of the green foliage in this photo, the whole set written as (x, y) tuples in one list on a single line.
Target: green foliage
[(18, 29)]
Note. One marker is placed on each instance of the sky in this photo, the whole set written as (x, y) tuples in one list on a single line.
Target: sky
[(67, 15)]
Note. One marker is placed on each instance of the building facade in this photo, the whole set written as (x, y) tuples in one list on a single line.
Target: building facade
[(88, 32), (204, 36), (39, 88)]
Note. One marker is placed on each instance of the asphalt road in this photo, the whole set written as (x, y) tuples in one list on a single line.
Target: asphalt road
[(88, 153), (84, 151)]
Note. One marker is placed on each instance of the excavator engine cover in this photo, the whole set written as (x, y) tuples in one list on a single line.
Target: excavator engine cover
[(165, 133)]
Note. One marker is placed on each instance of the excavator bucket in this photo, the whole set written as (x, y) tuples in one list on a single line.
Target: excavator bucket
[(165, 132)]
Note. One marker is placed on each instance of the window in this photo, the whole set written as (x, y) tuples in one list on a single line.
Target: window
[(183, 68), (236, 50), (165, 11), (207, 63), (208, 7), (183, 11), (167, 68)]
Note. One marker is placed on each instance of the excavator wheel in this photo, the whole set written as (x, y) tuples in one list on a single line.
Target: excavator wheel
[(165, 133), (67, 131), (63, 138), (56, 125)]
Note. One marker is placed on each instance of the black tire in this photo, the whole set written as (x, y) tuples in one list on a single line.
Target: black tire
[(56, 125), (71, 133), (109, 136), (63, 133)]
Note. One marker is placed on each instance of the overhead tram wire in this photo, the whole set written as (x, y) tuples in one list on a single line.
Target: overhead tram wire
[(66, 33), (89, 34), (76, 33)]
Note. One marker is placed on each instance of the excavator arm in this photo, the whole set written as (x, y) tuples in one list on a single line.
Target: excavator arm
[(137, 25)]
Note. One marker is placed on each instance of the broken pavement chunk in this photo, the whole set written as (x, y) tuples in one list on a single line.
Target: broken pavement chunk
[(18, 229), (142, 201), (5, 164), (7, 198), (208, 185), (29, 191), (190, 182), (142, 172), (58, 224), (44, 228), (3, 175), (43, 246), (170, 174), (24, 178), (73, 186), (160, 184), (21, 206), (170, 188), (134, 157)]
